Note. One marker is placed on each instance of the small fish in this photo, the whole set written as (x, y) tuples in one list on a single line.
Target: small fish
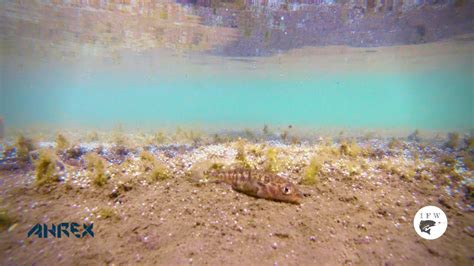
[(425, 226), (259, 184)]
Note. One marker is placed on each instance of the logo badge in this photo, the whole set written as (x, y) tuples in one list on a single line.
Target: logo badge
[(430, 222)]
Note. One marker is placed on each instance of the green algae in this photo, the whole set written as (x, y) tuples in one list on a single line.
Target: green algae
[(241, 157), (46, 172), (266, 130), (407, 173), (159, 138), (469, 141), (6, 220), (96, 166), (107, 213), (404, 172), (272, 163), (159, 172), (164, 14), (468, 162), (249, 135), (284, 135), (295, 140), (247, 32), (62, 143), (118, 137), (470, 190), (311, 173), (267, 36), (415, 136), (256, 150), (190, 136), (447, 168), (155, 170), (395, 144), (353, 167), (92, 136), (73, 152), (195, 137), (447, 160), (217, 139), (147, 157), (24, 146), (351, 149), (454, 140), (216, 166)]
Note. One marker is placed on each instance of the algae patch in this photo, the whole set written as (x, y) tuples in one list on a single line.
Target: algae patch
[(5, 219), (311, 173), (107, 213), (24, 146), (271, 164), (156, 171), (96, 166), (62, 143), (46, 171), (454, 140)]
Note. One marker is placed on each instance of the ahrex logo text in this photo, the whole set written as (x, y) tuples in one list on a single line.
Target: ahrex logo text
[(61, 230)]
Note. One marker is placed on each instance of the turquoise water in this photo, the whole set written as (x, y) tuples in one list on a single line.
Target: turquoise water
[(242, 94)]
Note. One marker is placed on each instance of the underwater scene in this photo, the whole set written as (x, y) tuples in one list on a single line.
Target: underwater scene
[(237, 132)]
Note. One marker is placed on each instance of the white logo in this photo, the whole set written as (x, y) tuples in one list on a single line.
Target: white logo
[(430, 222)]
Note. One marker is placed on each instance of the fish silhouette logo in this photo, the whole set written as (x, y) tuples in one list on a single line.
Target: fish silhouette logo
[(430, 222), (425, 226)]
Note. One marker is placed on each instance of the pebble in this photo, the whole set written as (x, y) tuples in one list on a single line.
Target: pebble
[(12, 227)]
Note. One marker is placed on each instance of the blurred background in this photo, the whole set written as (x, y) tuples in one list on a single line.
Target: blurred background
[(211, 64)]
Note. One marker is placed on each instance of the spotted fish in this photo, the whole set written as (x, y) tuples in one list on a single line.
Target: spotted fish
[(259, 184)]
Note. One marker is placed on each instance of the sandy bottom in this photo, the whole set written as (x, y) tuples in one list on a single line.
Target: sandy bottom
[(342, 220)]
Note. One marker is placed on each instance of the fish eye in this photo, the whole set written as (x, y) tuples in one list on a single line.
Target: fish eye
[(286, 190)]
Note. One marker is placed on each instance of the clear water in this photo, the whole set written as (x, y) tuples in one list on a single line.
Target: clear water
[(205, 91)]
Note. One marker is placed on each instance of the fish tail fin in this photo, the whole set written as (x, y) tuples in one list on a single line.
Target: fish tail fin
[(204, 172), (212, 175)]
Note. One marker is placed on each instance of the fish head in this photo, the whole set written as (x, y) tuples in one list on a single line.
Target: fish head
[(288, 192)]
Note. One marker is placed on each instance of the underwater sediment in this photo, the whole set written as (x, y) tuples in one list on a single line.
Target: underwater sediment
[(150, 200)]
